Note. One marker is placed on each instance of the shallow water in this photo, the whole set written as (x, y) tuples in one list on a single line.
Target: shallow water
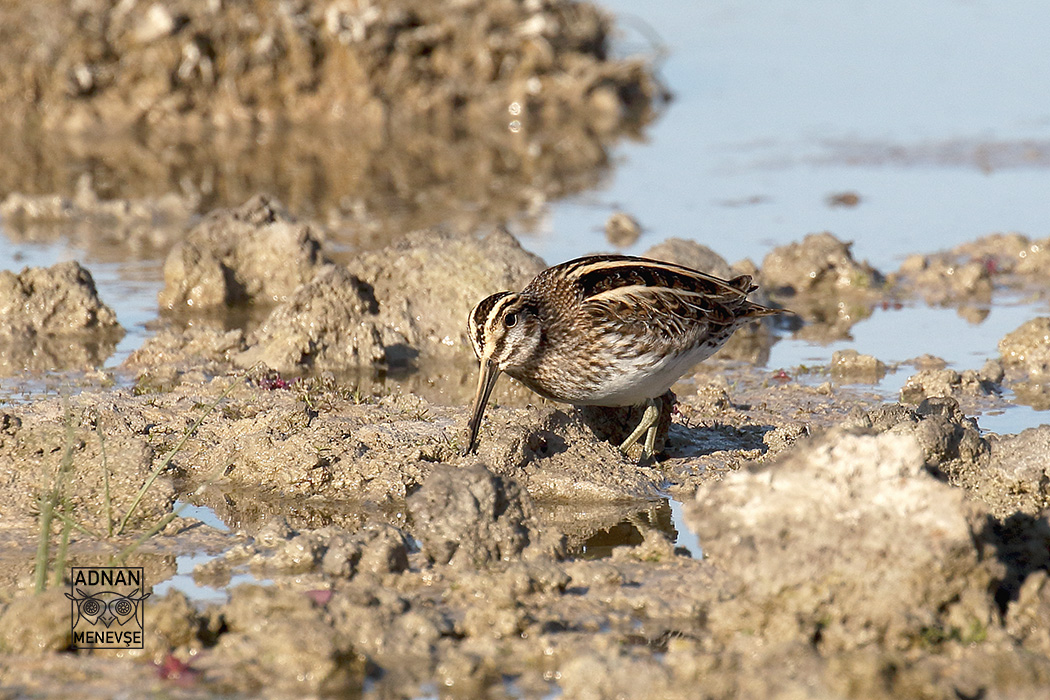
[(934, 113)]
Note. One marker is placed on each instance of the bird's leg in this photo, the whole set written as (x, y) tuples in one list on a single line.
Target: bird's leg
[(650, 419)]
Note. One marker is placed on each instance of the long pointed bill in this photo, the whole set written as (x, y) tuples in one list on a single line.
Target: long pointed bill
[(486, 380)]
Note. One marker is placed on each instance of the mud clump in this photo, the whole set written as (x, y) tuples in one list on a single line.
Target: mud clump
[(1028, 347), (53, 318), (818, 279), (172, 351), (622, 229), (929, 383), (278, 550), (427, 283), (57, 300), (879, 510), (942, 280), (1025, 355), (951, 442), (850, 365), (36, 624), (469, 517), (1008, 474), (329, 322), (253, 254), (819, 262), (1012, 259), (280, 640)]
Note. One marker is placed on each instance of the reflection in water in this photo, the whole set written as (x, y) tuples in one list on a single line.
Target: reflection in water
[(369, 192), (593, 531)]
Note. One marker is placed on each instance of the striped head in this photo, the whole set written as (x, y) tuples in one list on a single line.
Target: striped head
[(506, 333), (505, 329)]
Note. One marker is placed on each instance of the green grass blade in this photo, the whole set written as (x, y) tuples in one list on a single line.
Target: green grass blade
[(107, 501), (171, 455)]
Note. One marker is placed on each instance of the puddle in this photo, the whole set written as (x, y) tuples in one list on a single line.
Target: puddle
[(206, 515), (183, 580), (1012, 420), (896, 336), (685, 538), (201, 595)]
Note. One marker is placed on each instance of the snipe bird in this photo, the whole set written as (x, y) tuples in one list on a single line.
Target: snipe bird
[(606, 330)]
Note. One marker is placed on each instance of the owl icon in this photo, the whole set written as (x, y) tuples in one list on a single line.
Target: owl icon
[(107, 607)]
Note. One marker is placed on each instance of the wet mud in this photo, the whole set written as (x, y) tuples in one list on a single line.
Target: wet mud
[(874, 549)]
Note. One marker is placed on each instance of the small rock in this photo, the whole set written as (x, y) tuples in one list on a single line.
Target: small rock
[(469, 517), (1028, 346), (819, 261), (843, 199), (851, 365), (622, 229)]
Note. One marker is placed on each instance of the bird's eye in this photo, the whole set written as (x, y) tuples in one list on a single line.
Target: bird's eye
[(510, 320)]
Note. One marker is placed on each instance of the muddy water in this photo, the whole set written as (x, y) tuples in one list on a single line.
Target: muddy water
[(802, 532)]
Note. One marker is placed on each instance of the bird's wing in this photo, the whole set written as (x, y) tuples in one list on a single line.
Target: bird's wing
[(645, 295)]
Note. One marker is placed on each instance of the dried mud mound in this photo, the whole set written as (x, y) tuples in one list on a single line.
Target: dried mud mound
[(853, 545), (818, 279), (253, 254), (189, 64), (428, 282), (389, 306), (427, 112), (874, 502), (52, 318)]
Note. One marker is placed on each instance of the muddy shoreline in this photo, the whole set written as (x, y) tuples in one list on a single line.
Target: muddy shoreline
[(877, 549)]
